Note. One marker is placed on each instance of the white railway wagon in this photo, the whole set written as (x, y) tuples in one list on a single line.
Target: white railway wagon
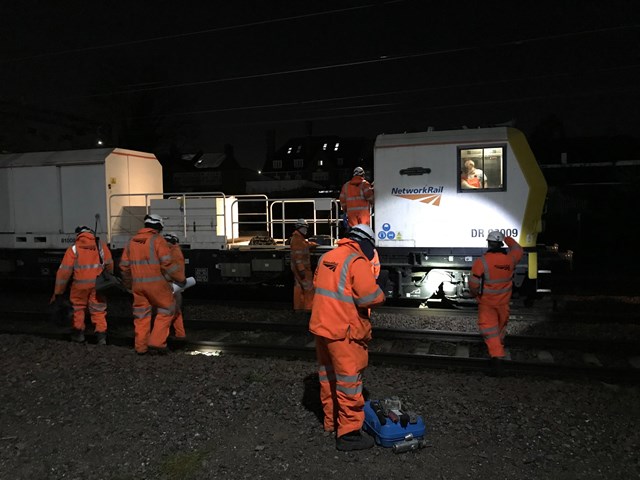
[(46, 195), (430, 217)]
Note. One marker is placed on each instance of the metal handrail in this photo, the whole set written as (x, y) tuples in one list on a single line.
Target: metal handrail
[(264, 214)]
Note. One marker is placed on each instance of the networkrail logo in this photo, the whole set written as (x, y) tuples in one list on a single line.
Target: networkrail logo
[(428, 195)]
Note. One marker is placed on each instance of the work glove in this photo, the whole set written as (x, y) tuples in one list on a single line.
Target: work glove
[(182, 284)]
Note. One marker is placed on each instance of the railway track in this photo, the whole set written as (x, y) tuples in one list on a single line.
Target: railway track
[(526, 314), (527, 355)]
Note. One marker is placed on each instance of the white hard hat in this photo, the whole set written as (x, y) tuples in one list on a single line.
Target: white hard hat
[(358, 171), (495, 236), (362, 232), (82, 229), (171, 238), (301, 222), (154, 221)]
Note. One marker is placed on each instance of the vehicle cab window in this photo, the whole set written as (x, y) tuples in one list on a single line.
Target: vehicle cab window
[(481, 168)]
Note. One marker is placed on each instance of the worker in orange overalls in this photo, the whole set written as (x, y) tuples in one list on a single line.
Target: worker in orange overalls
[(345, 289), (178, 258), (491, 282), (145, 262), (301, 267), (356, 198), (375, 264), (82, 262)]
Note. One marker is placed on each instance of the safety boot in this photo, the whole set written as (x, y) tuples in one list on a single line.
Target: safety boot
[(101, 338), (354, 441), (77, 335)]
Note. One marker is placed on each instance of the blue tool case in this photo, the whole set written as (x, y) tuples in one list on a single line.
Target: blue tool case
[(390, 430)]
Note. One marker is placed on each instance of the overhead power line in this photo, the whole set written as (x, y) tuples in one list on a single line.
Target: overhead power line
[(309, 102), (532, 98), (201, 32), (358, 62)]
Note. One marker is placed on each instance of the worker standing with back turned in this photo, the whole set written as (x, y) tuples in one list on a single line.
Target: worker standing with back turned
[(345, 289), (145, 262), (356, 198), (301, 267), (491, 282), (82, 263)]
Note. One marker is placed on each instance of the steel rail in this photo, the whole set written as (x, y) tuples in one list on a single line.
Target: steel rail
[(306, 350)]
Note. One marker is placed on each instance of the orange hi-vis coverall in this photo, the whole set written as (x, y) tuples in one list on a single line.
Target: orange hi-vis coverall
[(345, 289), (375, 264), (491, 282), (355, 198), (178, 320), (82, 262), (145, 262), (302, 274)]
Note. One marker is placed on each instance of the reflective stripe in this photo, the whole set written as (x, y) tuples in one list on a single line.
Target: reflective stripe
[(368, 298), (492, 335), (141, 312), (62, 282), (66, 267), (498, 280), (90, 280), (350, 209), (349, 391), (147, 280), (494, 291), (87, 267), (326, 373), (327, 377), (152, 241), (335, 295), (173, 269), (143, 262), (342, 282), (349, 378), (490, 332), (485, 267)]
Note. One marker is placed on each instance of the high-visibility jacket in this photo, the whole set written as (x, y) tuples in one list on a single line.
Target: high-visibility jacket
[(355, 197), (345, 288), (301, 255), (492, 274), (82, 262), (375, 264), (147, 260), (177, 257)]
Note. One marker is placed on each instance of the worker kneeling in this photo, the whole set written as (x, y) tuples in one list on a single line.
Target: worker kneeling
[(345, 288)]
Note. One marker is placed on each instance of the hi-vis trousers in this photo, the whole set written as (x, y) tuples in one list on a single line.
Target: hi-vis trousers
[(340, 367), (492, 322), (146, 296)]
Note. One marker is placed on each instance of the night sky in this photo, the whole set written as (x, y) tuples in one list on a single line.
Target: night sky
[(198, 75)]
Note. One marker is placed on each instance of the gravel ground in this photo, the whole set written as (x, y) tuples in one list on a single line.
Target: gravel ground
[(73, 411), (88, 412)]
